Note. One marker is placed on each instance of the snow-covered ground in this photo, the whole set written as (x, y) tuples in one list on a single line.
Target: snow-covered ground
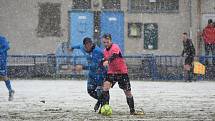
[(67, 100)]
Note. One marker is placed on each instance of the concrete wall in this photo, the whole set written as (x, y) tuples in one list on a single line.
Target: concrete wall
[(170, 26), (207, 12), (19, 21), (208, 6)]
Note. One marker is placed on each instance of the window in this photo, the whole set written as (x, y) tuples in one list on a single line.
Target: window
[(151, 36), (154, 6), (49, 20), (81, 4), (134, 30), (111, 4)]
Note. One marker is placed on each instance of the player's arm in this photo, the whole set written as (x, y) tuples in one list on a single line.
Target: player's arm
[(116, 54), (204, 35), (74, 47), (182, 54), (183, 51), (4, 46), (192, 48)]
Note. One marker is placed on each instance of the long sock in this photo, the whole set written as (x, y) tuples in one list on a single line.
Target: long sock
[(130, 102), (8, 85), (105, 97), (99, 95), (186, 75), (189, 75)]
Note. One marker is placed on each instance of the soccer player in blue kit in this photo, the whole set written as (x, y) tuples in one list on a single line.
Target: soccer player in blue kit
[(97, 72), (4, 47)]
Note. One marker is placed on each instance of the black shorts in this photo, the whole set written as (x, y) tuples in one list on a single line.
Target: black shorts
[(189, 60), (122, 79)]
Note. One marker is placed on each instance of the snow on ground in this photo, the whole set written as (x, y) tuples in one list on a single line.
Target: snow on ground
[(67, 100)]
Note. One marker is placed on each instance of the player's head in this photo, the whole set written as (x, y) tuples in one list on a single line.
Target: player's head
[(107, 40), (88, 44), (184, 36), (210, 21)]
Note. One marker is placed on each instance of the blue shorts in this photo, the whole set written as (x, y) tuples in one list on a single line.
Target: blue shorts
[(3, 64), (3, 69), (93, 82)]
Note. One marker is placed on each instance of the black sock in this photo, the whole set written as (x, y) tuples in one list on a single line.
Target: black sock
[(130, 102), (99, 95), (190, 75), (105, 97)]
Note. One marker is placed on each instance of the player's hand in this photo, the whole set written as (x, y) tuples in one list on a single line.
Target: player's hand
[(70, 49), (105, 63)]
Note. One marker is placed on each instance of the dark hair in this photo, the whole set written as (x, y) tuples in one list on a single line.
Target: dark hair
[(107, 36), (210, 21), (185, 33), (87, 40)]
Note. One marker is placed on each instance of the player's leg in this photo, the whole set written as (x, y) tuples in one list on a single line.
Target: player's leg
[(91, 88), (9, 87), (130, 101), (3, 75), (188, 62), (207, 50), (105, 93), (109, 82), (187, 69), (213, 54), (105, 97), (94, 91), (99, 92), (99, 82), (124, 83)]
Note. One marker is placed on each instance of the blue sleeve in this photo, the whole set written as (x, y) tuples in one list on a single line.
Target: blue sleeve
[(98, 57), (81, 47), (4, 46), (76, 47)]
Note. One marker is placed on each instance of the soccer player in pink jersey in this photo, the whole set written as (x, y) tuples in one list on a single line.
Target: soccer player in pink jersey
[(117, 70)]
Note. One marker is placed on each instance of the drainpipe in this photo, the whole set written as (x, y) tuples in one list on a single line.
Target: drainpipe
[(198, 47), (190, 16)]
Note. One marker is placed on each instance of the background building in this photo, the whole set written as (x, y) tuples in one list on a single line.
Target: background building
[(139, 26)]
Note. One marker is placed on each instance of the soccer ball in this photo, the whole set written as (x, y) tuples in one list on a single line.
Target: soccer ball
[(106, 110)]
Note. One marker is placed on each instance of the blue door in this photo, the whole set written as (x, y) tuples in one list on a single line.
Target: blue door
[(113, 22), (81, 26)]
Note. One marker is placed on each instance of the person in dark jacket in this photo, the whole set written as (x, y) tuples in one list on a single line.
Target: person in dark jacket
[(189, 50)]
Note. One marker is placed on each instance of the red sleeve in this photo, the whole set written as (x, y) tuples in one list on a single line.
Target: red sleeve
[(204, 34), (115, 49)]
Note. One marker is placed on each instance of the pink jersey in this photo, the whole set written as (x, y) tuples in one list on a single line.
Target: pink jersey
[(118, 65)]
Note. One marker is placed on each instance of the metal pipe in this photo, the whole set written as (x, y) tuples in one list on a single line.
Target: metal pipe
[(190, 17)]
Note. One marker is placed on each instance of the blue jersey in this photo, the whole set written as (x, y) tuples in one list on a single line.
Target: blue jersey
[(4, 46), (94, 59)]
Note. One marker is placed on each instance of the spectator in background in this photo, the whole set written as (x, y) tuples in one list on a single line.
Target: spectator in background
[(189, 50), (209, 40)]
